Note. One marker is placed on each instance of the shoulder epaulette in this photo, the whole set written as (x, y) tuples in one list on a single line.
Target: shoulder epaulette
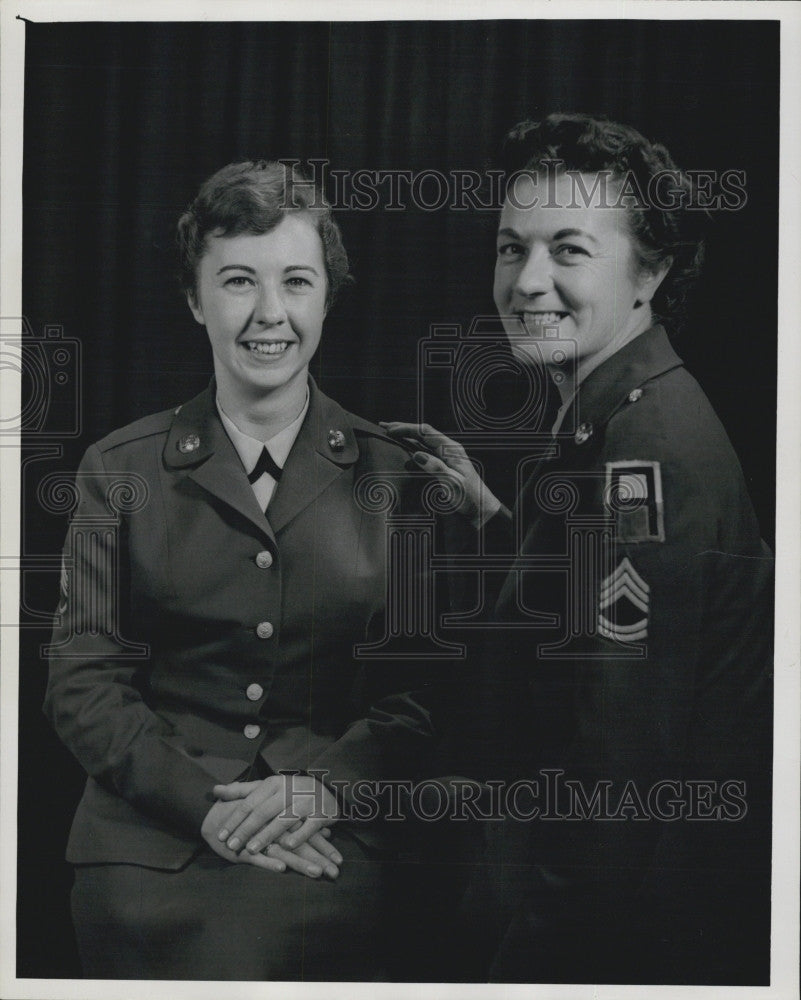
[(365, 429), (155, 423)]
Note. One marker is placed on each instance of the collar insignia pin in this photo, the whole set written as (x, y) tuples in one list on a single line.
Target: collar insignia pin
[(583, 433), (336, 440), (634, 395), (188, 443)]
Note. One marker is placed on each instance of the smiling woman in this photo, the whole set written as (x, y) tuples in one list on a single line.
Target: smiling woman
[(660, 665), (571, 268), (216, 732), (262, 299), (260, 271), (632, 634)]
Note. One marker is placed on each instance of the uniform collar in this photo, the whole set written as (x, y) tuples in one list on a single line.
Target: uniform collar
[(607, 387), (325, 445), (250, 448)]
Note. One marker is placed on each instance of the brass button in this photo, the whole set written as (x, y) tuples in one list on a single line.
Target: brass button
[(188, 443), (584, 433), (634, 395), (251, 731), (264, 560), (264, 630), (254, 691)]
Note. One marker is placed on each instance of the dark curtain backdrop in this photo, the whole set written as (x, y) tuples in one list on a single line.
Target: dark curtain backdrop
[(122, 122)]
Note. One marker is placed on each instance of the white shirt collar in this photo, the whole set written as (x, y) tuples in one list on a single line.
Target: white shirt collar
[(249, 448)]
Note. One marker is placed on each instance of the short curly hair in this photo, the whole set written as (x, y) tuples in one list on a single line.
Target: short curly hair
[(661, 234), (254, 197)]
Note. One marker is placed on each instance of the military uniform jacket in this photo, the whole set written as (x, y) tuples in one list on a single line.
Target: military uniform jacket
[(197, 633), (639, 626)]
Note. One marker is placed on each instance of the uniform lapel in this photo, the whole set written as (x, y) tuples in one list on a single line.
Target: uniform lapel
[(198, 447), (324, 448)]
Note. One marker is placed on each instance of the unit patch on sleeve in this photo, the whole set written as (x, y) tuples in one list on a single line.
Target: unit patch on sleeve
[(623, 605), (634, 496)]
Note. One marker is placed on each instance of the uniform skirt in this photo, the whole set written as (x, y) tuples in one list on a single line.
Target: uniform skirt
[(220, 921)]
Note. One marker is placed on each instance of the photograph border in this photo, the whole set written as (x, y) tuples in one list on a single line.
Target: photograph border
[(787, 693)]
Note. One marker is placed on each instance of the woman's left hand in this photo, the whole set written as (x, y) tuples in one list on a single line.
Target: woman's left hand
[(269, 810)]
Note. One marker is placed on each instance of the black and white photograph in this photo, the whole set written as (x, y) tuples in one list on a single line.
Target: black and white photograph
[(400, 499)]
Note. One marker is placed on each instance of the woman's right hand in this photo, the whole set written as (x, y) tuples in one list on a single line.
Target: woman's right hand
[(447, 460)]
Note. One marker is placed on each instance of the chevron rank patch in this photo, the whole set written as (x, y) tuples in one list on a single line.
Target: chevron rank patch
[(623, 605), (634, 495)]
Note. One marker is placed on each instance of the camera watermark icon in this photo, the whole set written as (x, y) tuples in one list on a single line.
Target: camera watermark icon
[(45, 368), (462, 365), (49, 367)]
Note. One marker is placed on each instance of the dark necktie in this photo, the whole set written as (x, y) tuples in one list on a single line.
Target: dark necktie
[(266, 463)]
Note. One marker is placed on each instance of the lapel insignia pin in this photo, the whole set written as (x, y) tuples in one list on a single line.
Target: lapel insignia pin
[(188, 443), (336, 440), (623, 606), (583, 433)]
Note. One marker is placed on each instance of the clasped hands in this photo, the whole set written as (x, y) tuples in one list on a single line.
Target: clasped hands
[(279, 823)]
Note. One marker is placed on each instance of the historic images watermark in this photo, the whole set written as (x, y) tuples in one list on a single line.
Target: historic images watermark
[(549, 795), (465, 190)]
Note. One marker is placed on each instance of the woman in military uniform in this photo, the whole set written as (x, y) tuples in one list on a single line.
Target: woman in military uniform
[(219, 573), (627, 674)]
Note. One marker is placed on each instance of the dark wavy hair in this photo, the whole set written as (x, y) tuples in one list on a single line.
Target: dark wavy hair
[(253, 197), (661, 235)]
